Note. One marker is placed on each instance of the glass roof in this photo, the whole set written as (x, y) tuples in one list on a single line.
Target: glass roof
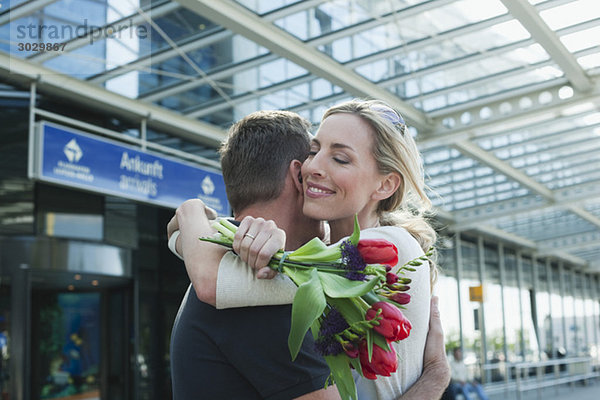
[(502, 95)]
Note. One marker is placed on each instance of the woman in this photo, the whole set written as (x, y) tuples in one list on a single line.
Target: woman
[(363, 161)]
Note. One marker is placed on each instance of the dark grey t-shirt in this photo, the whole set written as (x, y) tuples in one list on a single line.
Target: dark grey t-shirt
[(239, 353)]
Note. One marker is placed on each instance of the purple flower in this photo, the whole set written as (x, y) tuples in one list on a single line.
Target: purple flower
[(353, 261), (327, 344), (333, 323)]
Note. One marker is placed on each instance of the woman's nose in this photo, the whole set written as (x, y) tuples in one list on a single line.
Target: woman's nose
[(313, 166)]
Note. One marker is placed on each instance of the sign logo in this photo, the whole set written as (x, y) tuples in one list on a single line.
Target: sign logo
[(208, 187), (73, 151)]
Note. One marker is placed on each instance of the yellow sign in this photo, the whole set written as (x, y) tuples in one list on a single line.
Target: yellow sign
[(476, 293)]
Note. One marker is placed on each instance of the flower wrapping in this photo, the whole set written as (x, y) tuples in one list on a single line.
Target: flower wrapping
[(348, 298)]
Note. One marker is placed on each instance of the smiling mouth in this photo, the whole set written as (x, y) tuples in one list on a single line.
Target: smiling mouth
[(312, 190)]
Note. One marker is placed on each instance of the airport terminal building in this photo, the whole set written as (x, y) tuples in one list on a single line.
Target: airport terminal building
[(102, 138)]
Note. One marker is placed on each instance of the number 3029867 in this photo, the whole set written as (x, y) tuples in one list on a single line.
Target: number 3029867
[(41, 46)]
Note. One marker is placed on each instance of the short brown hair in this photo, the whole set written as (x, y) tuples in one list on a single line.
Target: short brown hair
[(257, 153)]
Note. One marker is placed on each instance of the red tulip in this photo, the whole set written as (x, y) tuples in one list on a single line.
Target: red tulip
[(382, 362), (378, 251), (393, 325)]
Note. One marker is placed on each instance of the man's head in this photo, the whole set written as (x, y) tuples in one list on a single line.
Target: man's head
[(257, 154)]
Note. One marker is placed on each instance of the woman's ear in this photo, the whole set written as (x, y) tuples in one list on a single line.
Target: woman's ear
[(388, 186), (295, 173)]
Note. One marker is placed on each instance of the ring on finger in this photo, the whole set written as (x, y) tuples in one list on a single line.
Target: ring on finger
[(250, 236)]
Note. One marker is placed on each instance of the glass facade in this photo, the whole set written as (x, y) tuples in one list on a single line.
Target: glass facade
[(524, 317), (94, 271)]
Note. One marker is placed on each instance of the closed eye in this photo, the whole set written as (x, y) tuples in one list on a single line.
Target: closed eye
[(337, 160)]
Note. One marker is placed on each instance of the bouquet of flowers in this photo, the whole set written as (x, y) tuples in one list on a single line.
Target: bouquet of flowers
[(349, 299)]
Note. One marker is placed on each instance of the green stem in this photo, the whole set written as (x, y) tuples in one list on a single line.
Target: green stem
[(223, 230), (217, 241), (371, 298), (360, 304), (294, 264)]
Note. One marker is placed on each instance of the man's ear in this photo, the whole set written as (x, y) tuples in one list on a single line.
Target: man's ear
[(388, 186), (294, 171)]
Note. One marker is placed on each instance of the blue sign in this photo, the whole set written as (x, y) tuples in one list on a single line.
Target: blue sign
[(101, 165)]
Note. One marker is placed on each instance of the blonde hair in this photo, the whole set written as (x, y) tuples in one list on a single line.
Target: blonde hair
[(395, 151)]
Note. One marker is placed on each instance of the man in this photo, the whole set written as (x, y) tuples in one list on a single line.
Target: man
[(461, 382), (242, 353), (261, 161)]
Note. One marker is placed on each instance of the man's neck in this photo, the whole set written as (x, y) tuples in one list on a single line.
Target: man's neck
[(298, 228)]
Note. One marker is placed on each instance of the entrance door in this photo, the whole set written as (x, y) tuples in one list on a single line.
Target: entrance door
[(79, 340)]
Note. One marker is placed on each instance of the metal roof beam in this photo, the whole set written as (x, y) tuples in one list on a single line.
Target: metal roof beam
[(479, 127), (156, 58), (199, 111), (593, 267), (524, 244), (13, 69), (23, 10), (394, 16), (194, 44), (579, 138), (329, 37), (479, 82), (574, 195), (586, 215), (171, 90), (84, 40), (238, 19), (208, 109), (578, 162), (475, 152), (504, 236), (326, 38), (572, 243), (405, 48), (293, 8), (564, 256), (470, 149), (451, 64), (529, 17)]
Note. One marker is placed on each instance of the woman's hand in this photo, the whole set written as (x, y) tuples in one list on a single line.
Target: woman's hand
[(192, 211), (256, 241)]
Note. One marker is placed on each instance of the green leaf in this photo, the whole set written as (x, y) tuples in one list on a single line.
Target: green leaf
[(355, 362), (315, 328), (316, 250), (297, 275), (381, 341), (340, 369), (314, 245), (308, 305), (370, 344), (348, 309), (355, 237), (338, 286)]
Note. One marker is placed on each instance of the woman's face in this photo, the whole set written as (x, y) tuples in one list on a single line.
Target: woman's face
[(340, 175)]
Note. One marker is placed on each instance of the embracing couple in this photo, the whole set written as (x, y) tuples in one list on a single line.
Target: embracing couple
[(285, 187)]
